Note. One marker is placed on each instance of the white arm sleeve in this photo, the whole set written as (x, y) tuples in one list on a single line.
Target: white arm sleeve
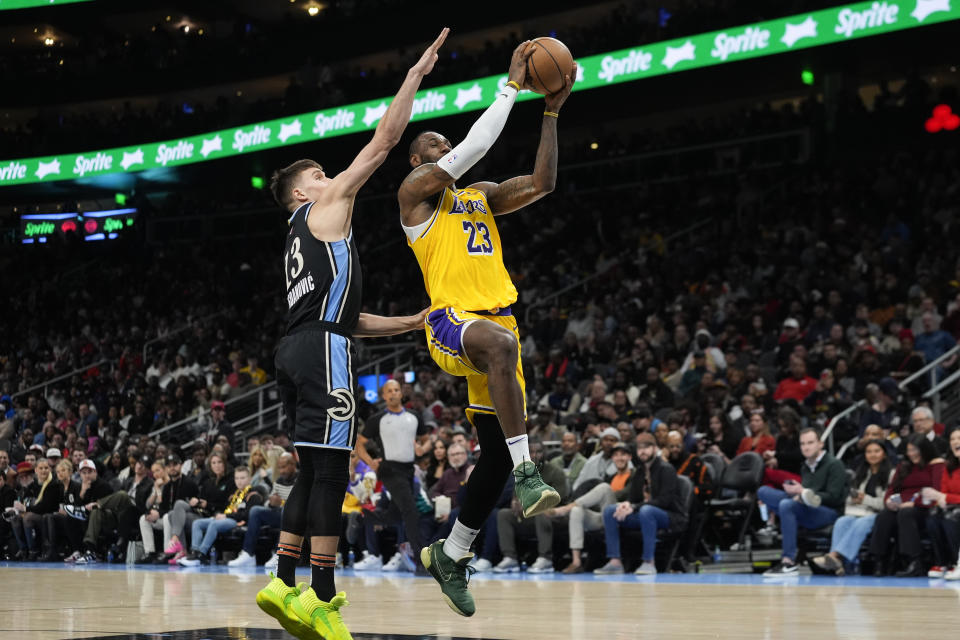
[(481, 137)]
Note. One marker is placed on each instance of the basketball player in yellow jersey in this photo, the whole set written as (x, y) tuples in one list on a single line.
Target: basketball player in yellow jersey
[(470, 329)]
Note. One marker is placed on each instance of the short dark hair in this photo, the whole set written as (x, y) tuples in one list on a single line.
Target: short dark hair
[(808, 429), (282, 180), (415, 143), (243, 468)]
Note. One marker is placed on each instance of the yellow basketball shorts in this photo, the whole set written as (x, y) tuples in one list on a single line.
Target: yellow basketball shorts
[(445, 329)]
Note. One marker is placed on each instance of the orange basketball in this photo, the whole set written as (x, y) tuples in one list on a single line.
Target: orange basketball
[(551, 60)]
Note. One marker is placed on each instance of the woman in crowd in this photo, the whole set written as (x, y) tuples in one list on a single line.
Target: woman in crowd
[(115, 465), (438, 463), (944, 521), (31, 517), (261, 469), (863, 504), (904, 513), (720, 437), (759, 441), (215, 489)]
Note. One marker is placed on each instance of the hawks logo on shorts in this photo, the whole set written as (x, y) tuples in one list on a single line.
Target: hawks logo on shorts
[(346, 409)]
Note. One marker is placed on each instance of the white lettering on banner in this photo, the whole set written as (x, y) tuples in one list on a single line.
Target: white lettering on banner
[(45, 169), (925, 7), (750, 40), (99, 162), (794, 32), (183, 150), (342, 119), (13, 171), (243, 139), (432, 101), (676, 55), (636, 60), (879, 14)]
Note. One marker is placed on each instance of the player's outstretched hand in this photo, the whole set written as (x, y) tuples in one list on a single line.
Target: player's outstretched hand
[(554, 101), (518, 63), (418, 321), (429, 58)]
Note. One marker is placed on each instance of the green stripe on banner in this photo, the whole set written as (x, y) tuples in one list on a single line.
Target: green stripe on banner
[(26, 4), (717, 47)]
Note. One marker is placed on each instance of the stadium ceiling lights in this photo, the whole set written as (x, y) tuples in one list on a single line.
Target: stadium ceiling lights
[(814, 29)]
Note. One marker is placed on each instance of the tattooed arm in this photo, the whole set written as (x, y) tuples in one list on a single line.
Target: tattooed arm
[(518, 192)]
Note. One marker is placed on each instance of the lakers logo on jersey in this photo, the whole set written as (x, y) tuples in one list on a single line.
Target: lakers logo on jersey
[(459, 253)]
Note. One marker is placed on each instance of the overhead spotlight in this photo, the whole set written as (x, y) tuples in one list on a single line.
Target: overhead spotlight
[(594, 146), (313, 10), (49, 41)]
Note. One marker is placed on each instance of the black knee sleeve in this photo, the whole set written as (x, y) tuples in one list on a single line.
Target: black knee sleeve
[(317, 495)]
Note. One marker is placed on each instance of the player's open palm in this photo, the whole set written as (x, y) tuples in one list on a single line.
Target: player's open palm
[(429, 58), (554, 101)]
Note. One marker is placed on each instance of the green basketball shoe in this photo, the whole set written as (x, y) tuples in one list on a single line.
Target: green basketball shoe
[(275, 600), (535, 495), (323, 618), (453, 576)]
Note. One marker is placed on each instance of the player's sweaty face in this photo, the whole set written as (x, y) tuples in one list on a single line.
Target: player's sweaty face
[(434, 147)]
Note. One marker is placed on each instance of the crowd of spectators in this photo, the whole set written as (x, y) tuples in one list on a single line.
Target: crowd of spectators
[(828, 284)]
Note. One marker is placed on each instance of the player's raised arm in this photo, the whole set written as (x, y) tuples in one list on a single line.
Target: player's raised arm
[(430, 178), (389, 129), (518, 192)]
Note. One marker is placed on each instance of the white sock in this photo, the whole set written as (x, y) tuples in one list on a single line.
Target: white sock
[(457, 544), (519, 449)]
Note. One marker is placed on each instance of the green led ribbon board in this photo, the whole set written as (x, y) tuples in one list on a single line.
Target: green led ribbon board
[(92, 226), (26, 4), (818, 28)]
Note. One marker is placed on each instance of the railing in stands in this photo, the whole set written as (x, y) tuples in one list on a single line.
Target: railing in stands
[(938, 392), (931, 369), (945, 397), (827, 435), (260, 409), (44, 385)]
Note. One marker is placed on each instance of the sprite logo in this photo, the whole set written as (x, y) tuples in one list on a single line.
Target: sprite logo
[(38, 229), (13, 171), (181, 151), (636, 60), (751, 39), (243, 139), (112, 225), (99, 162), (341, 119), (878, 15)]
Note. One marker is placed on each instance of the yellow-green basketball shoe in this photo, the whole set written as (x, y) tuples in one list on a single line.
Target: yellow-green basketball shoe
[(322, 617), (275, 599)]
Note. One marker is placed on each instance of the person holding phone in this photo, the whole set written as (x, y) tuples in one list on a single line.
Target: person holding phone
[(905, 511), (864, 502)]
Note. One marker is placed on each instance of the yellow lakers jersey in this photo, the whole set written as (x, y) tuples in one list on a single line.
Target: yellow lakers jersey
[(459, 252)]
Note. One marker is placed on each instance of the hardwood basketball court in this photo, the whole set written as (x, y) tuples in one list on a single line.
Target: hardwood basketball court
[(47, 602)]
